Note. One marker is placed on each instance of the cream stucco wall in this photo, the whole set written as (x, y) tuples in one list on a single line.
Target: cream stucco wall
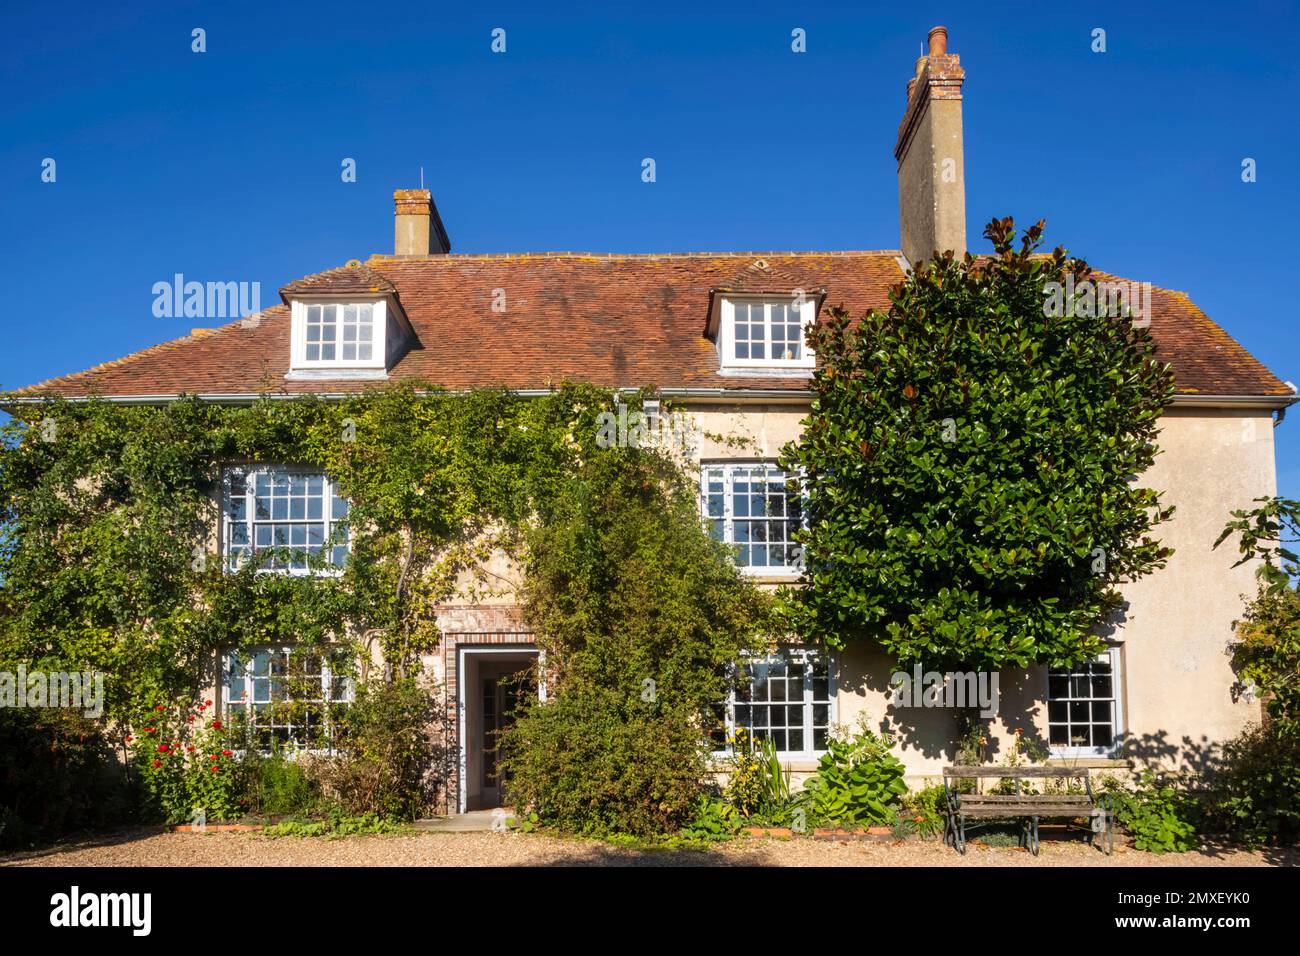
[(1176, 681)]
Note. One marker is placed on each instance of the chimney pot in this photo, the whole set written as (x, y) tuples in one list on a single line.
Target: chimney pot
[(417, 227), (938, 38)]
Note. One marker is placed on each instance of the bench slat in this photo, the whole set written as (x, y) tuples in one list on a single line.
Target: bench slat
[(1024, 798), (1057, 811), (959, 772)]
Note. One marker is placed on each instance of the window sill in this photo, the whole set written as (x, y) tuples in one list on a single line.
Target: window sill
[(767, 371), (771, 576), (293, 572), (330, 373), (1087, 761), (799, 764)]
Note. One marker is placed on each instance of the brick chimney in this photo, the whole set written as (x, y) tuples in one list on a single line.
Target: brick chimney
[(418, 228), (931, 179)]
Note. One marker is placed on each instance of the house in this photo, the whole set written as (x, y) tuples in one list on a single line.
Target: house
[(721, 334)]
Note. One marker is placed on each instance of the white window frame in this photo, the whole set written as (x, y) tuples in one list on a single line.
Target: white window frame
[(727, 332), (729, 469), (248, 704), (1113, 653), (804, 654), (249, 473), (379, 330)]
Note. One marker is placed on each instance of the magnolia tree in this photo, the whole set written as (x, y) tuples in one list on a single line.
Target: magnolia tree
[(971, 468)]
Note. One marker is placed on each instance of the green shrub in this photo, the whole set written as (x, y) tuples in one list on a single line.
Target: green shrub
[(859, 782), (1256, 791), (713, 820), (57, 775), (1157, 813), (278, 785), (337, 824), (744, 787), (757, 785), (924, 810), (581, 763), (389, 758), (640, 614), (184, 756)]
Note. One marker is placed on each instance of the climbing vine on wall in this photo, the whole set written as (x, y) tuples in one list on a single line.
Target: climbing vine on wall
[(108, 518)]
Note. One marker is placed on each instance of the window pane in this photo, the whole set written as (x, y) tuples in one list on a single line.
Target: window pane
[(761, 512), (288, 512), (1081, 706), (769, 699)]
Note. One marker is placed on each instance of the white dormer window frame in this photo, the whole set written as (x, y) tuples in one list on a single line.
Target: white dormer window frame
[(316, 319), (766, 324)]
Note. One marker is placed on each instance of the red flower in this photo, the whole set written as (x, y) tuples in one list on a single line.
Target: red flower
[(157, 763), (216, 725), (190, 718), (162, 748), (214, 757), (215, 768), (227, 753), (189, 750), (207, 703), (160, 708), (148, 730), (129, 738)]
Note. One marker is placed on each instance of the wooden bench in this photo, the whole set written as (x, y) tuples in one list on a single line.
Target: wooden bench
[(1027, 807)]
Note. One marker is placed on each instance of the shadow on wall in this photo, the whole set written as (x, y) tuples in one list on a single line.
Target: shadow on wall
[(1157, 752), (934, 732)]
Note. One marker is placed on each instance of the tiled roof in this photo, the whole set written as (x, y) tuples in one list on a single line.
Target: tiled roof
[(759, 276), (353, 278), (615, 320)]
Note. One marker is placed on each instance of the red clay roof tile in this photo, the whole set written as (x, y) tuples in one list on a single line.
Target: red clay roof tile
[(615, 320)]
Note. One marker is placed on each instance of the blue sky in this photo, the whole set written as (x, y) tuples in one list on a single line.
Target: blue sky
[(225, 165)]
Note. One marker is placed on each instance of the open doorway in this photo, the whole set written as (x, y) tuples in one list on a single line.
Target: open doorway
[(493, 682)]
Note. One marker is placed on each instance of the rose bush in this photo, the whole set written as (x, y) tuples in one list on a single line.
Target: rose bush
[(186, 760)]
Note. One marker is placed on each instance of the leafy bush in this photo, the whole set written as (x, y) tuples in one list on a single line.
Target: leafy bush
[(1256, 790), (757, 785), (640, 614), (57, 775), (185, 759), (337, 824), (713, 820), (924, 810), (1157, 813), (279, 785), (859, 782), (582, 766), (389, 759)]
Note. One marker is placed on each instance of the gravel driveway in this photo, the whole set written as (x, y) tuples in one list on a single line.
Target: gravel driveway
[(151, 848)]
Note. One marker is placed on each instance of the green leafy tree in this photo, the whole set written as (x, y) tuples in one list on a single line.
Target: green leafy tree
[(640, 614), (970, 464)]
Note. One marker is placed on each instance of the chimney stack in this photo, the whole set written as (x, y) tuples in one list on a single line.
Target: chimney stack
[(931, 177), (418, 228)]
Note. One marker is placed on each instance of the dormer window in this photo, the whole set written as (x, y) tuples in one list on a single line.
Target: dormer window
[(348, 323), (766, 332), (343, 333)]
